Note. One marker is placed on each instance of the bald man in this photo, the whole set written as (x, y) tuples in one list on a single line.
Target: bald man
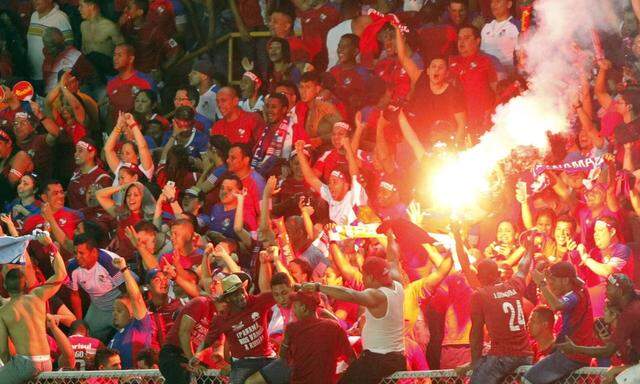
[(59, 57), (236, 124)]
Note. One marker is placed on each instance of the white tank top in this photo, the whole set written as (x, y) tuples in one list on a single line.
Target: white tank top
[(385, 334)]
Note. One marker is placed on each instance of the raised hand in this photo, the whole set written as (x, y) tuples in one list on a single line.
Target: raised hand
[(304, 207), (35, 108), (44, 239), (521, 192), (247, 64), (414, 211), (119, 262), (132, 235)]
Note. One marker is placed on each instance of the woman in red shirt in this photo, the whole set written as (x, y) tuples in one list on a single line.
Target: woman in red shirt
[(138, 205)]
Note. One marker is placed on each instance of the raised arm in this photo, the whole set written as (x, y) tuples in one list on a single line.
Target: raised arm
[(346, 269), (52, 285), (368, 298), (382, 147), (53, 130), (265, 272), (463, 257), (410, 136), (4, 342), (149, 260), (64, 345), (110, 145), (443, 267), (238, 222), (106, 201), (138, 305), (612, 200), (264, 227), (404, 56), (309, 176), (146, 159), (600, 89), (354, 170)]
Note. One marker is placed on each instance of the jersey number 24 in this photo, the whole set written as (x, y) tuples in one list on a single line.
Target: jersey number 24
[(516, 315)]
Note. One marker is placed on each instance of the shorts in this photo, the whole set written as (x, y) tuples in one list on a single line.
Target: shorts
[(372, 367), (551, 368), (21, 369), (277, 372), (242, 369), (494, 369)]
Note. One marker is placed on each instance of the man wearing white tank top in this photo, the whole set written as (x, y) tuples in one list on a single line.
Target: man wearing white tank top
[(382, 336)]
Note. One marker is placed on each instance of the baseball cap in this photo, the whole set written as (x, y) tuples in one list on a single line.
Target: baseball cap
[(194, 192), (311, 300), (230, 284), (378, 268), (563, 269), (205, 67)]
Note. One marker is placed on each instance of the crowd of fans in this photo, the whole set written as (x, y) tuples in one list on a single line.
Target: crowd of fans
[(280, 227)]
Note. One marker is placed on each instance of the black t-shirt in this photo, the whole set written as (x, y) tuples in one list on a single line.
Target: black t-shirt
[(431, 115)]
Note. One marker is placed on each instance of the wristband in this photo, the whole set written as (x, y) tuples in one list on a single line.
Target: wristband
[(124, 269)]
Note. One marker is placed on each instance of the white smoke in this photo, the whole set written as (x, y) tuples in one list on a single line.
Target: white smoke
[(554, 54)]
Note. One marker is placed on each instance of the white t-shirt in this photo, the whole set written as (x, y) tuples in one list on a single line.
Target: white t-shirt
[(345, 210), (100, 281), (333, 39), (207, 104), (258, 107), (499, 39), (55, 18)]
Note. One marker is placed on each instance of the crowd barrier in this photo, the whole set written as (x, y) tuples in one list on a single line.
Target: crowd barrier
[(152, 376)]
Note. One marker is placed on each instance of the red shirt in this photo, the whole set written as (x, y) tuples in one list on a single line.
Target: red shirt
[(121, 92), (123, 247), (317, 364), (163, 320), (394, 76), (84, 348), (501, 307), (201, 310), (316, 23), (475, 74), (152, 42), (76, 130), (576, 322), (244, 129), (250, 13), (351, 83), (66, 218), (299, 52), (80, 182), (187, 262), (245, 331)]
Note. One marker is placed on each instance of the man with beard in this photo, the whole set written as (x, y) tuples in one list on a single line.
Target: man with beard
[(276, 141), (88, 172)]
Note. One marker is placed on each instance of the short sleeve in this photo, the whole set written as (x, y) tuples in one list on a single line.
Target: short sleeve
[(194, 309), (324, 193), (265, 300), (72, 283)]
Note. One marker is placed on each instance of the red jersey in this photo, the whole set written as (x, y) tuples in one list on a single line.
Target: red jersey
[(66, 218), (245, 331), (163, 319), (80, 182), (299, 52), (501, 307), (201, 310), (317, 364), (244, 129), (121, 92), (475, 73), (84, 348), (187, 262), (576, 322), (250, 13), (316, 23), (351, 83), (390, 70), (152, 42)]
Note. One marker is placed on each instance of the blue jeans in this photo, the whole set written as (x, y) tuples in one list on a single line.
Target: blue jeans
[(243, 368), (493, 369), (553, 367)]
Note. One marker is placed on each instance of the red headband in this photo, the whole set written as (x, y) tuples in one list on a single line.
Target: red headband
[(85, 145), (253, 78)]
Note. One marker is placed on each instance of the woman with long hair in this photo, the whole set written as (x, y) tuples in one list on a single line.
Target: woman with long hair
[(138, 204)]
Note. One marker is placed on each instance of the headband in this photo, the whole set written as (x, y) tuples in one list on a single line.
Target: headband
[(388, 186), (343, 125), (83, 144), (338, 174), (253, 78)]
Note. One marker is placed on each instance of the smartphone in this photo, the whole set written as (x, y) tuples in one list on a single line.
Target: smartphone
[(171, 183)]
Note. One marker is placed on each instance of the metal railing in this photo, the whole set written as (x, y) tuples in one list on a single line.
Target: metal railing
[(153, 376)]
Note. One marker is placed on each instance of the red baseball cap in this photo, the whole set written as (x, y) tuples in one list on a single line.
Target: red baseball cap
[(378, 268)]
